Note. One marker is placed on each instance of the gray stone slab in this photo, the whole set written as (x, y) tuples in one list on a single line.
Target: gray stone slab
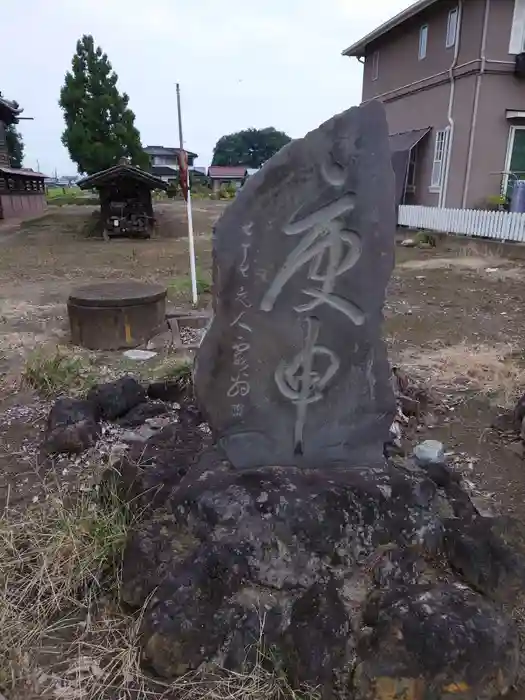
[(293, 370)]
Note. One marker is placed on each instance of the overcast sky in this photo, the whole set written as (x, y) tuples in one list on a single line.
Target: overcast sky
[(240, 63)]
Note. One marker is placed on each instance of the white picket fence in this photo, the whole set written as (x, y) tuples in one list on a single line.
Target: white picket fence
[(500, 225)]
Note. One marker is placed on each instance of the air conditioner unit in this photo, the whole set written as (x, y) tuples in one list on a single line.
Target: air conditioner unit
[(519, 66)]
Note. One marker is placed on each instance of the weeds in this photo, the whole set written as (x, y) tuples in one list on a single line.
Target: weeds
[(59, 372), (175, 369), (57, 558), (182, 285)]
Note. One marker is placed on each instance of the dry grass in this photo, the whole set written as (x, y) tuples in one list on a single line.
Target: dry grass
[(489, 370), (59, 371), (64, 635)]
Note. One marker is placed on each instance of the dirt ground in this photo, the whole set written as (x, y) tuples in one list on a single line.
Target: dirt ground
[(453, 322)]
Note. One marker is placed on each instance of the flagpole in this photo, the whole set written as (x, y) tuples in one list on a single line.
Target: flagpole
[(193, 272)]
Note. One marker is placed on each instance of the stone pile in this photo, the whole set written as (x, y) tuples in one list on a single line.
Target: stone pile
[(365, 579)]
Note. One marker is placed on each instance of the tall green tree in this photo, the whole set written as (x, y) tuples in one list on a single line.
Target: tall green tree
[(251, 147), (100, 127), (15, 146)]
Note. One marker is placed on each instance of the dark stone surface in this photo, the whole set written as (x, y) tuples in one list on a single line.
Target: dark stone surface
[(147, 476), (293, 370), (140, 413), (166, 390), (67, 411), (72, 426), (282, 535), (73, 438), (117, 398), (489, 554), (433, 643)]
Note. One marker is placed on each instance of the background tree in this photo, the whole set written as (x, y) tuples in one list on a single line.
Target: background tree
[(100, 127), (15, 146), (251, 147)]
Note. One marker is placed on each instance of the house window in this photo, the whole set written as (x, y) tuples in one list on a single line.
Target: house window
[(375, 65), (452, 27), (440, 155), (411, 173), (515, 161), (423, 41)]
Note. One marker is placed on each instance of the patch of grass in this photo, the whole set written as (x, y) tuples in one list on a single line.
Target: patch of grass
[(181, 286), (57, 558), (60, 372), (175, 369)]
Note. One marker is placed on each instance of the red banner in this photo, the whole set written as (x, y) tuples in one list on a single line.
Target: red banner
[(183, 174)]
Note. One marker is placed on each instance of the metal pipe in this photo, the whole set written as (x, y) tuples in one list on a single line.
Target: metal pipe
[(474, 121), (450, 136), (423, 80)]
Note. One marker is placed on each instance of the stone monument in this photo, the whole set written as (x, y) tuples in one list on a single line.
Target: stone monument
[(361, 578), (293, 370)]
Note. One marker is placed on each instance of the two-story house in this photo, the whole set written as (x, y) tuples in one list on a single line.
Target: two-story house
[(165, 162), (451, 74)]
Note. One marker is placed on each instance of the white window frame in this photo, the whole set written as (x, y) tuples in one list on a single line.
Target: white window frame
[(375, 65), (508, 157), (452, 27), (423, 42), (517, 34), (441, 145)]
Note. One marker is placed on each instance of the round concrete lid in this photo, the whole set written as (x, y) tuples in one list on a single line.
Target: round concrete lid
[(121, 293)]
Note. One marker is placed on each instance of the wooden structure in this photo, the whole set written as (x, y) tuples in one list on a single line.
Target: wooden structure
[(125, 198), (22, 191)]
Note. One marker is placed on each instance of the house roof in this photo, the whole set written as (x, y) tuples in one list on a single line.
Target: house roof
[(22, 171), (227, 172), (104, 177), (358, 49), (166, 151)]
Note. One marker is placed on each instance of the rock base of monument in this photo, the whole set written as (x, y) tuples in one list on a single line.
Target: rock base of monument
[(368, 584)]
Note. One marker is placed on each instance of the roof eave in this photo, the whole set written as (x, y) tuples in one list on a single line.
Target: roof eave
[(357, 50)]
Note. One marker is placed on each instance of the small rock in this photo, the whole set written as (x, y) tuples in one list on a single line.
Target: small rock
[(142, 434), (115, 399), (67, 411), (141, 414), (139, 354), (73, 438), (72, 427), (160, 422), (429, 452)]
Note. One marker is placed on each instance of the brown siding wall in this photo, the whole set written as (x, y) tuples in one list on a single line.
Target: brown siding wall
[(416, 94), (21, 206)]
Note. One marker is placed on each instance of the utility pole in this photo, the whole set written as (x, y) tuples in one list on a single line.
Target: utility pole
[(193, 272)]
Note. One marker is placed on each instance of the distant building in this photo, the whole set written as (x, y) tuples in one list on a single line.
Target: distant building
[(224, 175), (22, 191), (164, 162)]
